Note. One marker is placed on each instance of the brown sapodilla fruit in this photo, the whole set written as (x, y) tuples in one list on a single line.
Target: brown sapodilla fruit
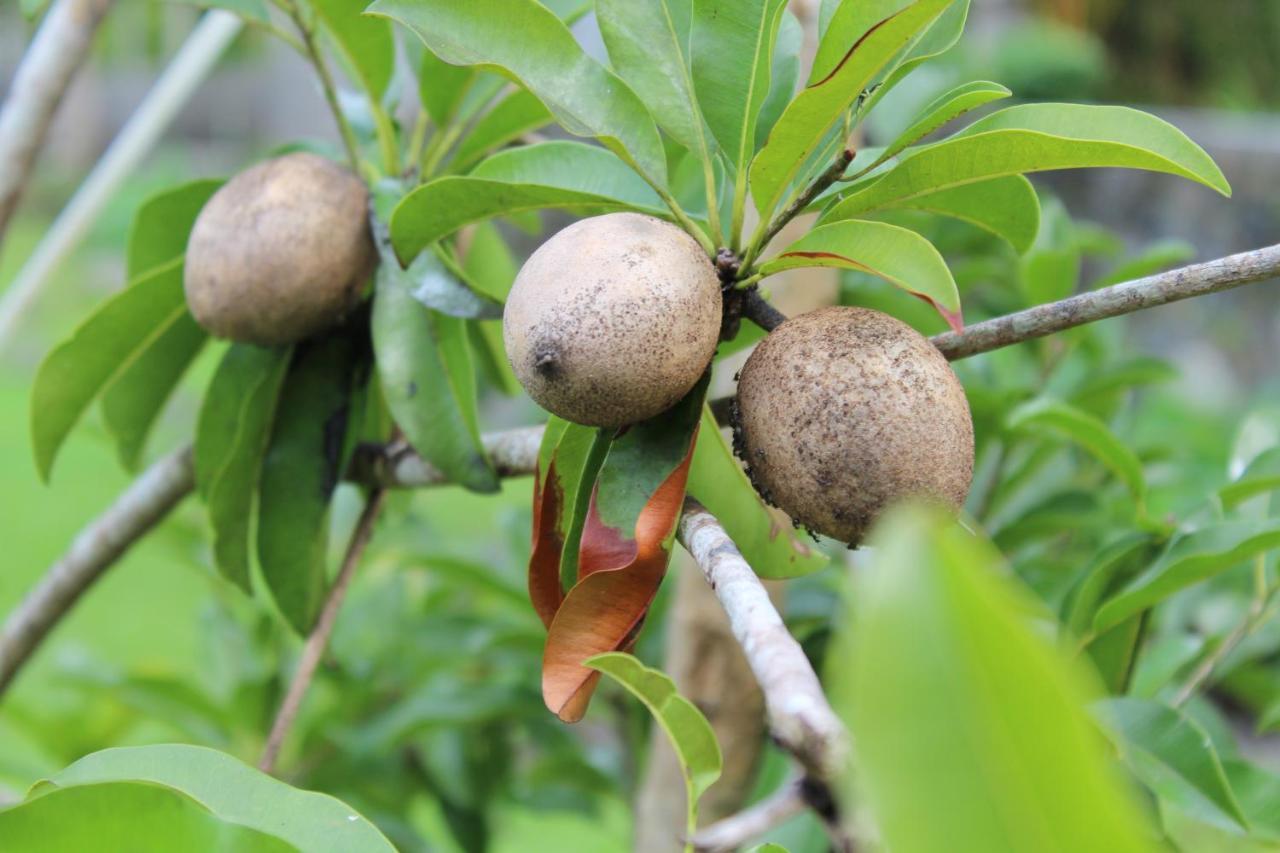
[(845, 411), (280, 252), (613, 319)]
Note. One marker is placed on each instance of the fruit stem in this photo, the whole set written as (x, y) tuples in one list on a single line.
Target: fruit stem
[(306, 29), (698, 232), (766, 232)]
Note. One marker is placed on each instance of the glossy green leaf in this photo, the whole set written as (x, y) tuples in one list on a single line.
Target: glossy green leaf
[(1066, 421), (1262, 476), (231, 438), (731, 54), (581, 179), (428, 380), (936, 39), (771, 547), (512, 117), (234, 792), (685, 726), (134, 816), (1172, 755), (102, 349), (303, 463), (783, 76), (945, 108), (897, 255), (365, 43), (1190, 558), (1036, 138), (526, 41), (1007, 207), (162, 225), (816, 110), (955, 700)]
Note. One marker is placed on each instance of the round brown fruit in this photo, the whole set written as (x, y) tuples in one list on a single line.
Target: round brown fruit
[(281, 252), (845, 411), (613, 319)]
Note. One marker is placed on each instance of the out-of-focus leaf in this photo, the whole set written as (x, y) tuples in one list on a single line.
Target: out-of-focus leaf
[(1153, 259), (1007, 207), (688, 730), (1113, 567), (162, 225), (1036, 138), (772, 548), (954, 700), (492, 269), (1262, 476), (366, 43), (234, 793), (897, 255), (1124, 375), (526, 41), (1051, 269), (1066, 421), (512, 117), (625, 546), (1257, 790), (231, 438), (304, 460), (1173, 756), (100, 350), (1190, 558), (566, 175), (253, 10), (783, 77)]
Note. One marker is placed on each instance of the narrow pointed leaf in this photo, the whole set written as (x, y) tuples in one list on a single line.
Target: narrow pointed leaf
[(512, 117), (1065, 420), (162, 225), (897, 255), (946, 107), (957, 701), (936, 39), (365, 43), (526, 42), (783, 76), (1007, 207), (565, 175)]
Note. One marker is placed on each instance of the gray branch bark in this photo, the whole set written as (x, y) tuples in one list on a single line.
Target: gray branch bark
[(749, 824), (56, 53)]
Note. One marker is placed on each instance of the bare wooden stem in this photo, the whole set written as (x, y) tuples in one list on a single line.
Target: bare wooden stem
[(736, 830)]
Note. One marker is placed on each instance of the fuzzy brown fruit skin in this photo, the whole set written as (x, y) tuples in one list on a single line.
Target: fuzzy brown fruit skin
[(281, 252), (613, 319), (845, 411)]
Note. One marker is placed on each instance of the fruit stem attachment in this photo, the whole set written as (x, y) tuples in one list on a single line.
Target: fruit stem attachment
[(766, 232), (696, 231), (306, 29)]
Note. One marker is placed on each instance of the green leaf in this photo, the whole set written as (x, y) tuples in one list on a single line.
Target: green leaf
[(897, 255), (1258, 792), (688, 730), (160, 228), (581, 179), (1189, 559), (771, 547), (1037, 138), (946, 107), (783, 76), (103, 348), (1051, 270), (957, 701), (527, 43), (1066, 421), (303, 463), (253, 10), (1110, 569), (365, 43), (731, 47), (492, 269), (231, 438), (512, 117), (1173, 756), (1262, 476), (234, 793), (816, 110), (1155, 258), (1007, 207), (428, 379), (134, 816), (938, 38)]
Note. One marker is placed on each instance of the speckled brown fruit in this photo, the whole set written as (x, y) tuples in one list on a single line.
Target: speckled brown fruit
[(845, 411), (280, 252), (613, 319)]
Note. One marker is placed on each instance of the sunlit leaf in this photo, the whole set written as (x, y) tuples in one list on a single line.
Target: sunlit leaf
[(1007, 207), (945, 108)]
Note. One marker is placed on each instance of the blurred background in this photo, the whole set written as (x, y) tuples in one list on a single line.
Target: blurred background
[(431, 721)]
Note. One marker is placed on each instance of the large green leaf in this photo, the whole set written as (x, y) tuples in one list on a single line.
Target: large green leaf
[(1258, 792), (1173, 756), (1036, 138), (864, 51), (304, 461), (136, 816), (690, 734), (1189, 559), (162, 225), (1007, 207), (231, 438), (1262, 476), (897, 255), (428, 379), (234, 793), (566, 175), (512, 117), (946, 107), (526, 41), (366, 44), (956, 701), (102, 349), (783, 76), (771, 547), (936, 39)]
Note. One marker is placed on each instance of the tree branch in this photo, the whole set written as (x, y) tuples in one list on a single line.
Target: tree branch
[(513, 452), (141, 507), (820, 184), (736, 830), (313, 650), (59, 48)]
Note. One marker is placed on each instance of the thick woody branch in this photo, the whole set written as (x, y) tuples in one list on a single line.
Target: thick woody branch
[(148, 500), (56, 53)]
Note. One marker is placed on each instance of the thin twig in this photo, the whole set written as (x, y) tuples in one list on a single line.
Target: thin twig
[(314, 648), (59, 48), (307, 30), (750, 823), (819, 185)]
